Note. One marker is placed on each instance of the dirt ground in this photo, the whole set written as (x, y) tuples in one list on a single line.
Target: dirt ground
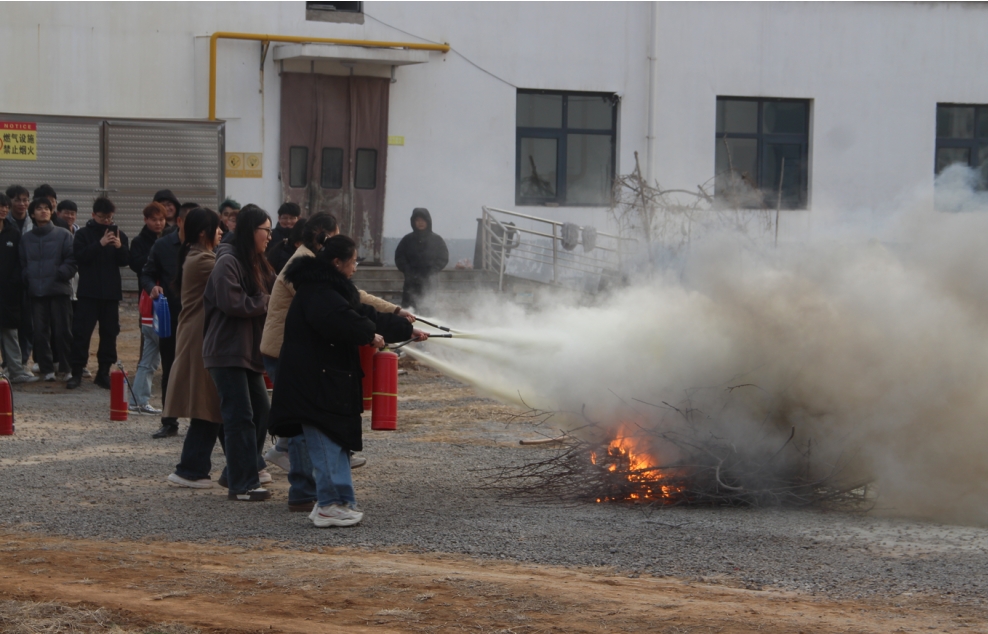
[(53, 584), (169, 587)]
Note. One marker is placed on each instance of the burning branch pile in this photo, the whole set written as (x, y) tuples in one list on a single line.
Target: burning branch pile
[(685, 464)]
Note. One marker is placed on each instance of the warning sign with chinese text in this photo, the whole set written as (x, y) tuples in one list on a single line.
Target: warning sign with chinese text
[(18, 141)]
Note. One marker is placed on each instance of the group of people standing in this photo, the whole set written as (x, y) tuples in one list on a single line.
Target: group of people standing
[(233, 317)]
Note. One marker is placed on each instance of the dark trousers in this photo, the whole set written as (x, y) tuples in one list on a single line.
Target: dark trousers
[(51, 321), (87, 313), (25, 335), (414, 291), (244, 406), (166, 348), (197, 450)]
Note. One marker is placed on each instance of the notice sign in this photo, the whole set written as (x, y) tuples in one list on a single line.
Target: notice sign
[(243, 164), (18, 141)]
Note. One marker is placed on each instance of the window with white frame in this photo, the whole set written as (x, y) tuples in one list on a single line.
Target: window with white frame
[(565, 147)]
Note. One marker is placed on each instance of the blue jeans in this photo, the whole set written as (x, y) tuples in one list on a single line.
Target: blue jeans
[(198, 448), (244, 406), (330, 469), (302, 486), (146, 367)]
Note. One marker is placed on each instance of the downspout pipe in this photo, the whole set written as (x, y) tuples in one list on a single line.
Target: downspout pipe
[(260, 37)]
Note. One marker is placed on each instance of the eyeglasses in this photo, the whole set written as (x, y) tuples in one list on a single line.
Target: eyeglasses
[(268, 229)]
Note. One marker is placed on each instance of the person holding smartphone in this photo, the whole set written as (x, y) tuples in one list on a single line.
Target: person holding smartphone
[(100, 249)]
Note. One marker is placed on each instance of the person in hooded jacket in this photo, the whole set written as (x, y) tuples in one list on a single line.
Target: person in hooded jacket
[(420, 255), (318, 391)]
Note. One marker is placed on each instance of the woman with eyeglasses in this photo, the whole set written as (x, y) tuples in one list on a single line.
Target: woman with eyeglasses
[(236, 302)]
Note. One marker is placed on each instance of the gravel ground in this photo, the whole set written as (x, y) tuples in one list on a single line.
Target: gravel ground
[(70, 471)]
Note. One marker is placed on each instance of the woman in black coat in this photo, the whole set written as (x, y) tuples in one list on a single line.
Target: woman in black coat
[(318, 391)]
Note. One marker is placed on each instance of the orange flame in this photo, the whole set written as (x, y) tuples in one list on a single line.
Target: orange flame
[(630, 455)]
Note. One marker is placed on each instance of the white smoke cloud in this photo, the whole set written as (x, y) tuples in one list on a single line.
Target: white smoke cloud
[(871, 339)]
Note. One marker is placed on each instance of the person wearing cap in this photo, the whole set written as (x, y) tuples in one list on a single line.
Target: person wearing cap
[(420, 255), (167, 199)]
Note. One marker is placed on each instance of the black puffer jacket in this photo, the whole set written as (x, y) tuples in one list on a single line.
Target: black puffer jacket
[(161, 268), (319, 376), (11, 284), (421, 253), (47, 263), (99, 265), (140, 248)]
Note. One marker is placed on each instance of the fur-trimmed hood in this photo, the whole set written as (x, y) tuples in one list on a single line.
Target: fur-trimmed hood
[(319, 270)]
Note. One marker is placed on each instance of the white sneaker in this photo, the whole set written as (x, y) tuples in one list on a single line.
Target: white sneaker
[(357, 461), (144, 409), (179, 481), (335, 515), (50, 377), (264, 477), (86, 374), (35, 368), (278, 458), (25, 378), (64, 376)]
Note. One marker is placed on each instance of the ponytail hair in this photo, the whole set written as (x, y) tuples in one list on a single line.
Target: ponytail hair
[(317, 229)]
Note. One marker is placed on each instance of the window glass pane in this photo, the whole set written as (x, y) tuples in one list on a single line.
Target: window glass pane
[(298, 166), (365, 171), (737, 116), (589, 112), (332, 168), (737, 168), (955, 122), (783, 160), (781, 117), (947, 156), (983, 122), (538, 168), (539, 111), (588, 169)]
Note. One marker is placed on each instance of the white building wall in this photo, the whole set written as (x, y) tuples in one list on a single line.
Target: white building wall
[(150, 60), (874, 72)]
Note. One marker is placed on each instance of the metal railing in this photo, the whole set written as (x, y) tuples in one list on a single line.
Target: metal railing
[(540, 244)]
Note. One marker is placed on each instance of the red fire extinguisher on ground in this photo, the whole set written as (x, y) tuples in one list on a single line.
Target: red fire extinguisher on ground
[(6, 409), (384, 412), (118, 398), (367, 365)]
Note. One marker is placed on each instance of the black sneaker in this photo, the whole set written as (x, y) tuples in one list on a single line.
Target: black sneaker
[(74, 381), (166, 431), (254, 495), (102, 380)]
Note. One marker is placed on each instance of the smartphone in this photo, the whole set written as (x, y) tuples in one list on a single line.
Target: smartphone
[(113, 228)]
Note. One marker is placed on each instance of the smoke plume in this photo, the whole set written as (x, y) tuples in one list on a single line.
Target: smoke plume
[(870, 339)]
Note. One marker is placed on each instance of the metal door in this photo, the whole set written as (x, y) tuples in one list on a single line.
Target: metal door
[(334, 151)]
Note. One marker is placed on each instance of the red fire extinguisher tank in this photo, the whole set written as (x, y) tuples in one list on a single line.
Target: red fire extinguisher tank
[(367, 365), (118, 398), (384, 414), (6, 409)]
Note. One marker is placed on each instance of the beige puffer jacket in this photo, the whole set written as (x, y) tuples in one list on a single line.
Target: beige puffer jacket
[(281, 299)]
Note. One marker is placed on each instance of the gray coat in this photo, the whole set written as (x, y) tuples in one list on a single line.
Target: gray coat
[(47, 262)]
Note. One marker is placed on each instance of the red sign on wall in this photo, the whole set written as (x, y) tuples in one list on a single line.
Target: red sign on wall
[(18, 141)]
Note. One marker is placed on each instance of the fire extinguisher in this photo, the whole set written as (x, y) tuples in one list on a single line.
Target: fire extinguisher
[(118, 399), (384, 412), (367, 365), (6, 408)]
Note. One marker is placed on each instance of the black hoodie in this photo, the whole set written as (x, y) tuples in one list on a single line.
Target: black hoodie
[(421, 253)]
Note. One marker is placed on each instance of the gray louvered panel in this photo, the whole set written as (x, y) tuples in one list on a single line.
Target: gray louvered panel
[(150, 156), (68, 160)]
